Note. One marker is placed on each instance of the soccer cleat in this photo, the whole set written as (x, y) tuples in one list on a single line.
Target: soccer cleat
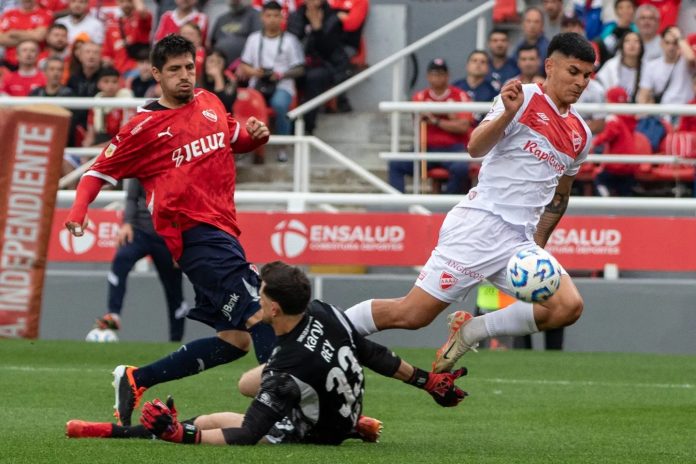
[(83, 429), (454, 348), (108, 321), (128, 395), (369, 429)]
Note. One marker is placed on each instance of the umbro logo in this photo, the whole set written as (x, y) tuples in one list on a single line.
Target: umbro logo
[(210, 115), (543, 118), (167, 132)]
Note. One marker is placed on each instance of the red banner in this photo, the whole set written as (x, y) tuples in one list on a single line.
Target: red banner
[(384, 239), (30, 163)]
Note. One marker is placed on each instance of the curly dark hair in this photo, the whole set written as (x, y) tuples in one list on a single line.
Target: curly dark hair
[(169, 47), (572, 44)]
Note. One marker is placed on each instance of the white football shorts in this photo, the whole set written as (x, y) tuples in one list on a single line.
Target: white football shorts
[(473, 245)]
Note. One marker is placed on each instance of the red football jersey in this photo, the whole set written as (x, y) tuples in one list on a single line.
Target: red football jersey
[(437, 137), (170, 24), (18, 19), (17, 85), (137, 28), (183, 158)]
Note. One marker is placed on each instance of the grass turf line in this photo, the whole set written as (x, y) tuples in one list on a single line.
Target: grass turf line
[(524, 407)]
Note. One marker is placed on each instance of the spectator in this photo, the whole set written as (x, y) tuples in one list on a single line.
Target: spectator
[(216, 81), (688, 123), (185, 12), (28, 22), (528, 64), (501, 66), (475, 84), (272, 60), (533, 34), (617, 138), (83, 81), (288, 7), (53, 70), (589, 12), (232, 29), (669, 11), (668, 79), (625, 68), (190, 31), (574, 24), (553, 15), (28, 76), (143, 83), (82, 24), (318, 28), (352, 14), (127, 36), (56, 44), (612, 32), (104, 123), (648, 22), (444, 133)]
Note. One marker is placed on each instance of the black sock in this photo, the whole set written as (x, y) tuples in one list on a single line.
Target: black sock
[(190, 359), (264, 340), (133, 431)]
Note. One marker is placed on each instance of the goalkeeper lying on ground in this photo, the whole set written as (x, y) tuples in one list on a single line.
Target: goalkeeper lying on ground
[(309, 391)]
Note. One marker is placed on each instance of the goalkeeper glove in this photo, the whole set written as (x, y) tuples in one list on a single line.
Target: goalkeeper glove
[(161, 421), (440, 385)]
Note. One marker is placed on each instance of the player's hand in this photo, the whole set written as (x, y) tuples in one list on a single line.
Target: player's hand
[(125, 234), (256, 129), (442, 388), (75, 227), (159, 419), (512, 96)]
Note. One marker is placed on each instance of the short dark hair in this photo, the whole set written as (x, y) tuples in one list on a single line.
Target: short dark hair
[(616, 3), (527, 47), (286, 285), (57, 26), (272, 5), (497, 30), (476, 52), (169, 47), (108, 71), (53, 58), (572, 44)]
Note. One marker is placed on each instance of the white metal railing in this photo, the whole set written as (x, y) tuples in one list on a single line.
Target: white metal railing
[(398, 107), (76, 103), (298, 201)]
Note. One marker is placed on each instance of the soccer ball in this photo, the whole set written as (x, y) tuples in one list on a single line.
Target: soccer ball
[(101, 336), (533, 275)]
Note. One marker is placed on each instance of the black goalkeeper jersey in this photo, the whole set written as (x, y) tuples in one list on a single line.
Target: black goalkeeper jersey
[(313, 383)]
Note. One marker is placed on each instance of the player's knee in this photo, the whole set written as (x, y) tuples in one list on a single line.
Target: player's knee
[(247, 386), (570, 311), (237, 338)]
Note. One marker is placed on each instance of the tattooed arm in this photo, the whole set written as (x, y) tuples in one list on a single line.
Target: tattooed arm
[(554, 211)]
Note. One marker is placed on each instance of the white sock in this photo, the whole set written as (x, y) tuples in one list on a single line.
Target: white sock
[(361, 317), (516, 319)]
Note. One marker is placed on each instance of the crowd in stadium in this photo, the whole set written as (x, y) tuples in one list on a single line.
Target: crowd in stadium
[(290, 51)]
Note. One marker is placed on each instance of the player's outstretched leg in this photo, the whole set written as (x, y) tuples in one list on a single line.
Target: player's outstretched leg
[(190, 359), (454, 348)]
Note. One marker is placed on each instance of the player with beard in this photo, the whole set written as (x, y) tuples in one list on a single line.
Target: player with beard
[(180, 148), (311, 389), (534, 142)]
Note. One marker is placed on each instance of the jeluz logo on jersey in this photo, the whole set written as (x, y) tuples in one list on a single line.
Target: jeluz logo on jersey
[(210, 115), (199, 147), (533, 148)]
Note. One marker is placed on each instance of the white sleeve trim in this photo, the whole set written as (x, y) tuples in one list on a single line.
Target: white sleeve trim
[(109, 179), (236, 133)]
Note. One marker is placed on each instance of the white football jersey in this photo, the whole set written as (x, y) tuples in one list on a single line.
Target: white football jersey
[(518, 177)]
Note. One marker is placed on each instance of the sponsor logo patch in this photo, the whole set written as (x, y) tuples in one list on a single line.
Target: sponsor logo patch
[(108, 153), (447, 280), (210, 115)]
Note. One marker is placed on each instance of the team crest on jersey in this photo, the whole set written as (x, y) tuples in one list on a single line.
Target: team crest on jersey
[(577, 141), (447, 280), (108, 153), (210, 115)]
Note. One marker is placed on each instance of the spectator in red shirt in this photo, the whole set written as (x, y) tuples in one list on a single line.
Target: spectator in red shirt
[(444, 132), (352, 14), (185, 12), (28, 22), (617, 138), (104, 123), (28, 76), (127, 35), (669, 10), (56, 44)]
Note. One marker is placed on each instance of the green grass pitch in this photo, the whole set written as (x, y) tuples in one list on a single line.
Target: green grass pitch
[(525, 407)]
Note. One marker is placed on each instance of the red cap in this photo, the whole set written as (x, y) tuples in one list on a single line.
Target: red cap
[(617, 95)]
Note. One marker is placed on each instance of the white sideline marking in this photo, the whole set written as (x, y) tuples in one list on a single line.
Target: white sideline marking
[(569, 383)]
